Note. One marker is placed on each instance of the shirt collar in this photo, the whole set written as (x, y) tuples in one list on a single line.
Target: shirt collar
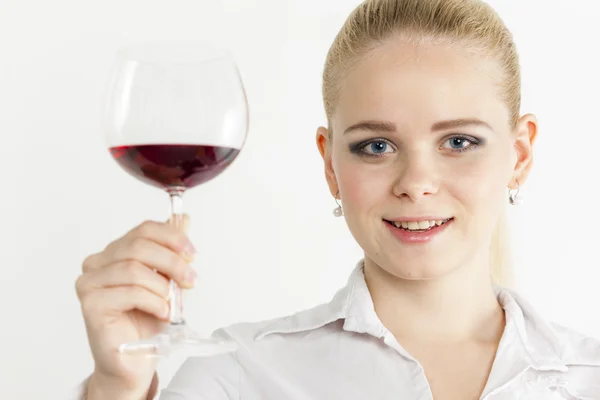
[(550, 345), (541, 345), (538, 341)]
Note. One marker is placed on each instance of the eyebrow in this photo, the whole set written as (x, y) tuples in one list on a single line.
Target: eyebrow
[(459, 123), (389, 127)]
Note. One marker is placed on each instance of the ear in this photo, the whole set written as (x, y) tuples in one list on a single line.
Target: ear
[(525, 135), (324, 143)]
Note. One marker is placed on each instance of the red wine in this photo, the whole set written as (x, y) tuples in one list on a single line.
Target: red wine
[(174, 165)]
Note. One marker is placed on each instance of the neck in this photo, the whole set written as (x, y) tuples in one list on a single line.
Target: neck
[(457, 308)]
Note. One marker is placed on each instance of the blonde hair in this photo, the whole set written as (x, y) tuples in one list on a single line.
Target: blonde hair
[(471, 24)]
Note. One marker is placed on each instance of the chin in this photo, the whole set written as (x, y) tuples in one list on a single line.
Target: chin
[(417, 269)]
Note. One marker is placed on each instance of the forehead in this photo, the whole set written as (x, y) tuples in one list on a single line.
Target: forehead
[(411, 84)]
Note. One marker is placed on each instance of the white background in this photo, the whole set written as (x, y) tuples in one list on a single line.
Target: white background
[(268, 242)]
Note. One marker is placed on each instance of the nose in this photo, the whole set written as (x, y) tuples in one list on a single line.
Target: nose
[(417, 178)]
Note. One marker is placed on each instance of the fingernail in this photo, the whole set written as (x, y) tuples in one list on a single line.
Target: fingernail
[(189, 248), (167, 312), (189, 258), (190, 278)]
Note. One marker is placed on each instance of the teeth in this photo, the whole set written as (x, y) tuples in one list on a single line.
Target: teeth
[(419, 225), (413, 226)]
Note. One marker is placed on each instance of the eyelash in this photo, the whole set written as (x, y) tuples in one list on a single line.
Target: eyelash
[(475, 143), (359, 148)]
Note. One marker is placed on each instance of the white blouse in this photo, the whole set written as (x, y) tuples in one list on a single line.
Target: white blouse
[(342, 351)]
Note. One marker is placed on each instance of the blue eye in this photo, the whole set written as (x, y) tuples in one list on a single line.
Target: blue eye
[(461, 143), (376, 147)]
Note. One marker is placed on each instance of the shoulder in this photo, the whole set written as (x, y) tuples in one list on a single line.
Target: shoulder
[(216, 376), (581, 355), (553, 347), (269, 341), (570, 345), (576, 348), (305, 320)]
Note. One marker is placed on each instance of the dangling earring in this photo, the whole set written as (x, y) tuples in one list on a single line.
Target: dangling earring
[(513, 196), (338, 211)]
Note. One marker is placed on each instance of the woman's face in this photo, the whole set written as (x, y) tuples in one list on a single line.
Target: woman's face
[(422, 154)]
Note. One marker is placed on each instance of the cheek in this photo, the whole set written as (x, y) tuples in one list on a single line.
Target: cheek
[(481, 183), (362, 186)]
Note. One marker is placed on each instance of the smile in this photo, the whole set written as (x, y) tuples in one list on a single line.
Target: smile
[(419, 226), (418, 231)]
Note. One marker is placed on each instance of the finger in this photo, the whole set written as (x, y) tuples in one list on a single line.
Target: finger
[(155, 256), (165, 234), (124, 273), (91, 262), (116, 300)]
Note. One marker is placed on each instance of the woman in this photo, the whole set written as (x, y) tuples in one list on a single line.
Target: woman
[(424, 146)]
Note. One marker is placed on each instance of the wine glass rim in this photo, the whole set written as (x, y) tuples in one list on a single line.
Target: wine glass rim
[(175, 52)]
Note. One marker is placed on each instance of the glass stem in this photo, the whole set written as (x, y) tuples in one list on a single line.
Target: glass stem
[(175, 292)]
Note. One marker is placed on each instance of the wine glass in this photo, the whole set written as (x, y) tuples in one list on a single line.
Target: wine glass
[(176, 117)]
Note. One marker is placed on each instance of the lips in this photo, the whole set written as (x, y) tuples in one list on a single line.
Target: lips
[(419, 225), (418, 231)]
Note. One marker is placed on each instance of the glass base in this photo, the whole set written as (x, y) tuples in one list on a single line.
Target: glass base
[(178, 338)]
